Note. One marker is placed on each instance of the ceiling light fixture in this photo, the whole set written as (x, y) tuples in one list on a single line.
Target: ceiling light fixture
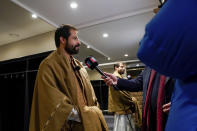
[(34, 16), (108, 58), (73, 5), (88, 46), (105, 35), (126, 55), (137, 65)]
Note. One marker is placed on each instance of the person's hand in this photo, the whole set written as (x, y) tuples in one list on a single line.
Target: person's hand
[(166, 107), (110, 80)]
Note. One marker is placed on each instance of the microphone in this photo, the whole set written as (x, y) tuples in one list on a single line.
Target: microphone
[(91, 62)]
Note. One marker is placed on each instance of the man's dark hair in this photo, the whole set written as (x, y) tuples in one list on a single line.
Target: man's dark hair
[(116, 65), (63, 31)]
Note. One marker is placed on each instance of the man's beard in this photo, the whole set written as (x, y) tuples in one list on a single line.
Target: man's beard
[(121, 72), (72, 50)]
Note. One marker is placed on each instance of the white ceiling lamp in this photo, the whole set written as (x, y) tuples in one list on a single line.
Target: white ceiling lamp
[(34, 16), (88, 46), (105, 35), (108, 58), (126, 55), (137, 65), (73, 5)]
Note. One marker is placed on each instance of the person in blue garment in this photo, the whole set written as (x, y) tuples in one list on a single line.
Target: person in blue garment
[(170, 47)]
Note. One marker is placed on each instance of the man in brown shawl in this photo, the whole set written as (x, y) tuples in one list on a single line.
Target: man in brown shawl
[(63, 98), (124, 106)]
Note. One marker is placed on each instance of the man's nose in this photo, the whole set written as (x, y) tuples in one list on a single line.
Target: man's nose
[(79, 42)]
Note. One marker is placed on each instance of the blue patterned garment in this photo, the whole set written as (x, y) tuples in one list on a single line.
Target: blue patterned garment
[(170, 47)]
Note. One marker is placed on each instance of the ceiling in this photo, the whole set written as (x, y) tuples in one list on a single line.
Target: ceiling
[(123, 20), (16, 23)]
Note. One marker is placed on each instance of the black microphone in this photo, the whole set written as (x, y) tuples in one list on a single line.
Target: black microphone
[(91, 62)]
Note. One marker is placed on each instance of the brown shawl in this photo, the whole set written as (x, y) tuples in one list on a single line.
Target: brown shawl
[(122, 102), (55, 94)]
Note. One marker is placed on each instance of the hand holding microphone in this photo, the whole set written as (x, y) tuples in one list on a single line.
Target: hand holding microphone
[(110, 80), (93, 64)]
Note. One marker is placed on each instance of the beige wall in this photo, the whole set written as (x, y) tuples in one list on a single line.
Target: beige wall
[(37, 44), (94, 75), (30, 46)]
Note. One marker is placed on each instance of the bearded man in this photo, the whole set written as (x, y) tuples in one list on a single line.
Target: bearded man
[(63, 98)]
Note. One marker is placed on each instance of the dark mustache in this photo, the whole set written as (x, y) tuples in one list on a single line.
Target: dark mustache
[(77, 46)]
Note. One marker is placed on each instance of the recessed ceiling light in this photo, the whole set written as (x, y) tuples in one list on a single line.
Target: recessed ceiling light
[(73, 5), (126, 55), (88, 46), (105, 35), (109, 58), (137, 65), (34, 16)]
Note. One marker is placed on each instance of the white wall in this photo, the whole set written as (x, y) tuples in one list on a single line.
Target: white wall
[(30, 46), (38, 44), (94, 75), (35, 45)]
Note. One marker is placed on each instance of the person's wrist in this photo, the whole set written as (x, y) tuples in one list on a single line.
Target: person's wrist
[(116, 81)]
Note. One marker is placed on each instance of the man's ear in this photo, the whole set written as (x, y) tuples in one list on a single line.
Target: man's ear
[(62, 40)]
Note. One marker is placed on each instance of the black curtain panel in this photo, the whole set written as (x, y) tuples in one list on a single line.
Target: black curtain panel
[(101, 91), (17, 78), (13, 87)]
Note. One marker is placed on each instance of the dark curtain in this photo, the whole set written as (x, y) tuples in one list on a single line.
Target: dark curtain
[(31, 76), (12, 102), (101, 91), (17, 78)]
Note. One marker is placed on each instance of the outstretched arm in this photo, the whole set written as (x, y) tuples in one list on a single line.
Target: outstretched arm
[(124, 84)]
